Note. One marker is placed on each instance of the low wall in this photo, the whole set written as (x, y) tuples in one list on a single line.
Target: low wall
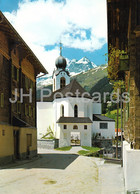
[(119, 151), (47, 143), (131, 168), (102, 143)]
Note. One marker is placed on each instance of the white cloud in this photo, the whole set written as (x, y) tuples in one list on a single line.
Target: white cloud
[(42, 23)]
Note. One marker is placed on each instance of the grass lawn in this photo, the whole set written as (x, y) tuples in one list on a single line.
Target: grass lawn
[(89, 151), (64, 148)]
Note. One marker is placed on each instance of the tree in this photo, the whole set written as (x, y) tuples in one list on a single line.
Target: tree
[(49, 133), (113, 63)]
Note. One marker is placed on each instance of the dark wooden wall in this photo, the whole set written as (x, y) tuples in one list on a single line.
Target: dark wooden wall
[(16, 72)]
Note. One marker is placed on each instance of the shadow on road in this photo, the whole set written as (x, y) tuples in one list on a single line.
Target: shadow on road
[(47, 161)]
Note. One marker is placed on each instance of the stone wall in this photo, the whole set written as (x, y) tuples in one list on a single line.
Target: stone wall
[(102, 143), (47, 143)]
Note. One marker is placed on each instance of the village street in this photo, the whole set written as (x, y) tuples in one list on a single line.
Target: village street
[(62, 172)]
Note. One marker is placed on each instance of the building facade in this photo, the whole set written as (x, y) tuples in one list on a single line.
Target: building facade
[(70, 112), (124, 34), (18, 70)]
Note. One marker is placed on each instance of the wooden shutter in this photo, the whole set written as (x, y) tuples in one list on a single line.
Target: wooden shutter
[(13, 71), (17, 75), (2, 100)]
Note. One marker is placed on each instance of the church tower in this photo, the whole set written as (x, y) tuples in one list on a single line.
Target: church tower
[(61, 76)]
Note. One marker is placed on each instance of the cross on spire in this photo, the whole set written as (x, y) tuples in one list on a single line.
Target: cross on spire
[(60, 48)]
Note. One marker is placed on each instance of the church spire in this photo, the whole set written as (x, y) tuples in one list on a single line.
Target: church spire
[(60, 48)]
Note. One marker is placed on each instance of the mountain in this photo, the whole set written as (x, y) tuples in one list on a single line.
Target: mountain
[(102, 86), (93, 80), (74, 67), (44, 81), (91, 77)]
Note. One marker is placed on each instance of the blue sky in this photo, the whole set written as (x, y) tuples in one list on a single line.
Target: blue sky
[(80, 25)]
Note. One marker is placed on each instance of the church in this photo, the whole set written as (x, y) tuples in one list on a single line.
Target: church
[(70, 112)]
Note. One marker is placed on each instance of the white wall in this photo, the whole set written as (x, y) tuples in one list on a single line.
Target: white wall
[(57, 113), (49, 112), (57, 107), (84, 109), (97, 108), (65, 134), (131, 167), (44, 117), (107, 133)]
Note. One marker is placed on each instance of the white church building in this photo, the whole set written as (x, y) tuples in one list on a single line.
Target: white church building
[(71, 113)]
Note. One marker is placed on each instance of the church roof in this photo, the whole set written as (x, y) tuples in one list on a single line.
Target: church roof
[(74, 120), (69, 90), (61, 62), (97, 117)]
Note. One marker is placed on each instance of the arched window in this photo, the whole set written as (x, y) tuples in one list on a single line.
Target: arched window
[(62, 111), (75, 127), (75, 111), (54, 84), (62, 82)]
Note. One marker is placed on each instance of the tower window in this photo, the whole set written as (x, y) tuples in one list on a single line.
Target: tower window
[(75, 111), (62, 82)]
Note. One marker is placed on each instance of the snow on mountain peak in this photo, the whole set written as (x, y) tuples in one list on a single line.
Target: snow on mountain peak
[(84, 64), (84, 60), (74, 67)]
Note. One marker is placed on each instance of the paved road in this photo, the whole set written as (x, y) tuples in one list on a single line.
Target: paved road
[(62, 172)]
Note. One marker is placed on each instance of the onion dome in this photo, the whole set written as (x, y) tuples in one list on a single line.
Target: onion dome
[(61, 62)]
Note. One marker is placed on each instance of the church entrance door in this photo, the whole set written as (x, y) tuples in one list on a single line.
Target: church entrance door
[(75, 139)]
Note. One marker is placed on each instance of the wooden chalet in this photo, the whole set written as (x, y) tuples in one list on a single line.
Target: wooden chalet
[(18, 70), (124, 34)]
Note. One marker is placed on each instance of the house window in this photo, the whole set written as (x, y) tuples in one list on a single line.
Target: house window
[(15, 73), (103, 125), (65, 126), (62, 111), (85, 126), (62, 82), (75, 127), (75, 111), (26, 110)]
